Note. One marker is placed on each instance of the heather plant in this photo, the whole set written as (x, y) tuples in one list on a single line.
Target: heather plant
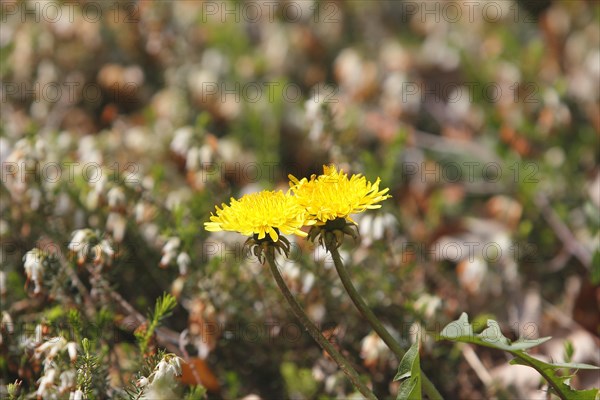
[(418, 180)]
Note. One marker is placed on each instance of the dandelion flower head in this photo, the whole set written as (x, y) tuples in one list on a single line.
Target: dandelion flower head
[(333, 195), (263, 213)]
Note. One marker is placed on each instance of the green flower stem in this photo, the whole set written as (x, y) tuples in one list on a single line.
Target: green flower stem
[(314, 331), (377, 326)]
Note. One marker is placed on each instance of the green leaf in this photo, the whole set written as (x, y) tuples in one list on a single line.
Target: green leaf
[(196, 393), (557, 365), (595, 271), (163, 307), (299, 380), (569, 351), (410, 389), (557, 382), (410, 371), (461, 331), (572, 365)]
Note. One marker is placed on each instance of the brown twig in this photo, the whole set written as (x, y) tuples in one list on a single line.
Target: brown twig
[(446, 145), (563, 232)]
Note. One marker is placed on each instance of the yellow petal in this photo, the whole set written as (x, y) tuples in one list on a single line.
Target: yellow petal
[(273, 235)]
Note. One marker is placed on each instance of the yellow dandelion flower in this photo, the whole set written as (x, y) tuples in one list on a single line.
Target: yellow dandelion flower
[(263, 213), (333, 196)]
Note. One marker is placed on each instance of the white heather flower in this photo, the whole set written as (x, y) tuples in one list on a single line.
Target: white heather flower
[(34, 267), (197, 158), (76, 395), (63, 205), (171, 365), (418, 332), (373, 351), (181, 140), (14, 181), (46, 382), (67, 380), (142, 382), (51, 347), (169, 251), (79, 239), (72, 350), (80, 244), (150, 232), (172, 244), (428, 305), (5, 227), (106, 248), (100, 184), (372, 227), (593, 190), (162, 383), (183, 261), (192, 159), (168, 367), (103, 251), (88, 151), (471, 272), (38, 333), (140, 211), (92, 200), (148, 183), (165, 260), (35, 198), (2, 283), (314, 117), (7, 322), (308, 282), (94, 195), (206, 154), (177, 198), (116, 198), (116, 223)]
